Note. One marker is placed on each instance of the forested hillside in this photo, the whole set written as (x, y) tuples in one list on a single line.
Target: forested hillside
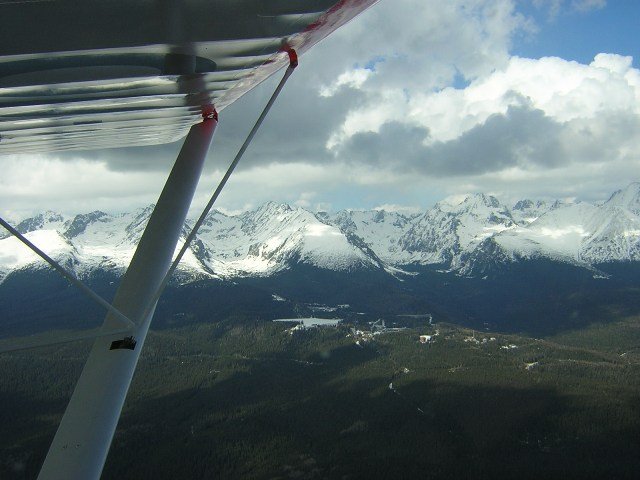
[(242, 398)]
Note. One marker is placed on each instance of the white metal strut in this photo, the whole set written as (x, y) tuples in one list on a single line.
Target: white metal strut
[(81, 444)]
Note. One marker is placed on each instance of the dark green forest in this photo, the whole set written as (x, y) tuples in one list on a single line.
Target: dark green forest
[(242, 397)]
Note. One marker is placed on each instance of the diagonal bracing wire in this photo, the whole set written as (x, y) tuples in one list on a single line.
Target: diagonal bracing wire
[(69, 276), (293, 63)]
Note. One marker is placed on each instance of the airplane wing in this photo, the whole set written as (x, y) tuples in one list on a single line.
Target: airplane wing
[(98, 74)]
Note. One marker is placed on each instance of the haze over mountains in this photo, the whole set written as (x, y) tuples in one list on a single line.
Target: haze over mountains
[(462, 237)]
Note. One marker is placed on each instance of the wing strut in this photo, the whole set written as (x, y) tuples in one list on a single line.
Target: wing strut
[(80, 446)]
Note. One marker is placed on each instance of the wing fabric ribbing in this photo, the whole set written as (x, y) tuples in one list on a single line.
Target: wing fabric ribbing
[(143, 78)]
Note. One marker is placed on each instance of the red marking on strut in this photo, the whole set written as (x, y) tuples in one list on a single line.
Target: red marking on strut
[(209, 113), (293, 55)]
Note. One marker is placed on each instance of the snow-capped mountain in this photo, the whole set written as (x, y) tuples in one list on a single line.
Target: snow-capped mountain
[(580, 232), (559, 233), (615, 228), (460, 236), (259, 242), (527, 211), (447, 230), (274, 236), (381, 231)]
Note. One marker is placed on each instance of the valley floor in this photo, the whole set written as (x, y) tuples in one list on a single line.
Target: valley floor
[(252, 400)]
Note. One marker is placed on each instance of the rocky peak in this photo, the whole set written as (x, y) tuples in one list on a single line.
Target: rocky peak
[(627, 198), (40, 221), (80, 223)]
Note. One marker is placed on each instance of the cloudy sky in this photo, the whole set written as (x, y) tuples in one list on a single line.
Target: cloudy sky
[(414, 101)]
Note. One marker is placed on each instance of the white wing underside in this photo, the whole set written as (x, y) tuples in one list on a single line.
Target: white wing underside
[(98, 74)]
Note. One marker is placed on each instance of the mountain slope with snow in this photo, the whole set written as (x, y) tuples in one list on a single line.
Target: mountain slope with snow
[(454, 235), (274, 236), (448, 230)]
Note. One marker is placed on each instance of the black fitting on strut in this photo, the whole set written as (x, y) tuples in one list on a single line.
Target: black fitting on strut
[(127, 343)]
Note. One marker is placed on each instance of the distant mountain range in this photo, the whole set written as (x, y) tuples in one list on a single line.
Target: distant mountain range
[(535, 267), (467, 237)]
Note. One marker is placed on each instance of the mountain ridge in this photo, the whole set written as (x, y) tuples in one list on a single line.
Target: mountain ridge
[(464, 237)]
